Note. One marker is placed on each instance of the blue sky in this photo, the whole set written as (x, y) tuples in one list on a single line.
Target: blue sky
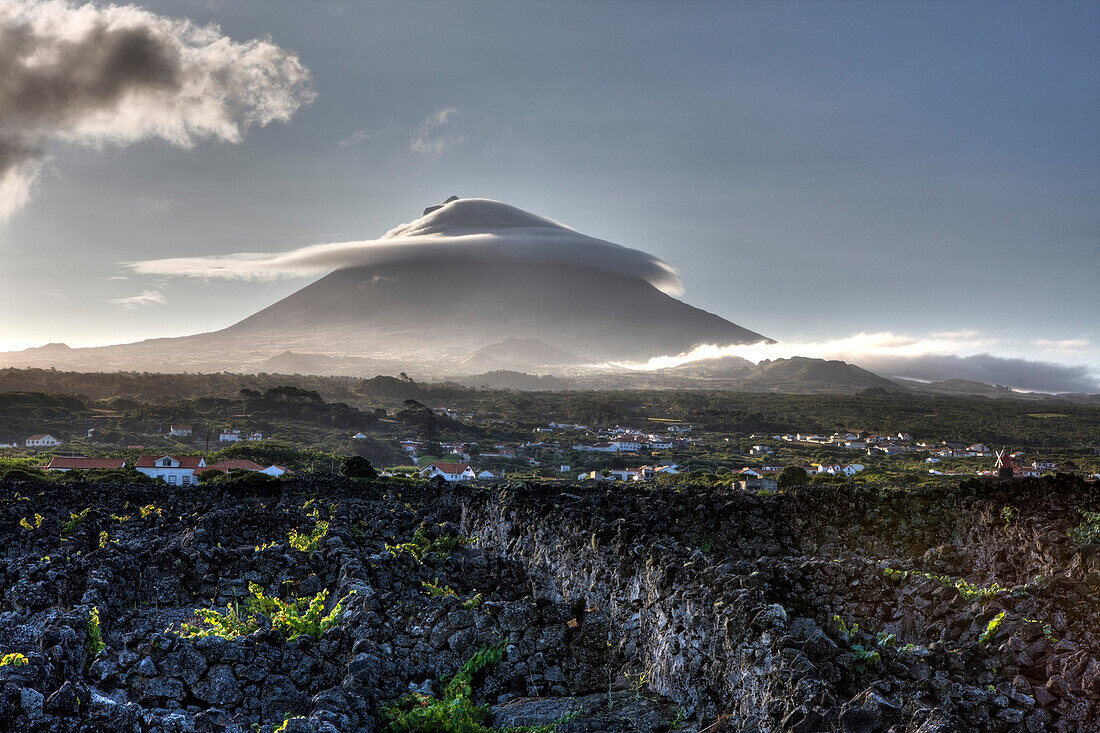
[(813, 170)]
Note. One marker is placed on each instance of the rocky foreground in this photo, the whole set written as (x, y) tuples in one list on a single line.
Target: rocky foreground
[(609, 608)]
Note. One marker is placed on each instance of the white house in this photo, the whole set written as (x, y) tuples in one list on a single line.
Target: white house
[(358, 436), (626, 446), (42, 441), (847, 469), (254, 437), (489, 473), (1044, 465), (679, 428), (449, 471), (595, 448), (243, 464), (229, 436), (761, 450), (410, 446), (173, 470), (179, 431)]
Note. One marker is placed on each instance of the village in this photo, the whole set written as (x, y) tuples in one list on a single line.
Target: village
[(667, 451)]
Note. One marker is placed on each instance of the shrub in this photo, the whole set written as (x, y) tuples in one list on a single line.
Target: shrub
[(357, 467), (792, 476), (15, 659), (69, 526), (1088, 531), (456, 711), (992, 628), (287, 617), (228, 625), (28, 525), (95, 635), (309, 542), (420, 546)]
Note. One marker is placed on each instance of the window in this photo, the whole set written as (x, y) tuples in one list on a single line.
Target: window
[(166, 462), (170, 478)]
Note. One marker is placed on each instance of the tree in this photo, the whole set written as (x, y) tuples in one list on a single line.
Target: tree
[(357, 467), (793, 476)]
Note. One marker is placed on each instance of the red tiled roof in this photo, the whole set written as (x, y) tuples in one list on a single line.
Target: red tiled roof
[(450, 467), (236, 463), (184, 461), (86, 463), (40, 436)]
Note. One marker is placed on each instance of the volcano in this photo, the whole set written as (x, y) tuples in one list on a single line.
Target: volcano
[(465, 276)]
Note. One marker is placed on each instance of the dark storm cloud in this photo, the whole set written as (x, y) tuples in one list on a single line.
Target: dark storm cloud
[(118, 74)]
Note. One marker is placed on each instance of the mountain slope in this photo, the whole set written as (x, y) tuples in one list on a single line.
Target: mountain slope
[(427, 295), (450, 308)]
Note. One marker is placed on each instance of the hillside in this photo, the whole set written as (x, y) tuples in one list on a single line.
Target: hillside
[(921, 610)]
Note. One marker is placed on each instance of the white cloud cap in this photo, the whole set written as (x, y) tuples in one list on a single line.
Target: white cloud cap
[(473, 229)]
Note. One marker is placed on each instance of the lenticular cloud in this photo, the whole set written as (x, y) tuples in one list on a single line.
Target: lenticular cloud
[(466, 229), (118, 74)]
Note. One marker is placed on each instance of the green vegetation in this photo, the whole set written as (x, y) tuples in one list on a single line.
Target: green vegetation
[(434, 588), (69, 526), (15, 659), (793, 476), (309, 542), (1088, 531), (357, 467), (150, 510), (1010, 514), (992, 628), (31, 525), (286, 617), (95, 635), (455, 712), (228, 625), (420, 546), (864, 658), (969, 591)]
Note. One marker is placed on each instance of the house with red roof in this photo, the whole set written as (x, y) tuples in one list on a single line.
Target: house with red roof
[(449, 471), (43, 440), (80, 463), (173, 470)]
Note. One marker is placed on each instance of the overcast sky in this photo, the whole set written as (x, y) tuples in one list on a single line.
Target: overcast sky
[(813, 170)]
